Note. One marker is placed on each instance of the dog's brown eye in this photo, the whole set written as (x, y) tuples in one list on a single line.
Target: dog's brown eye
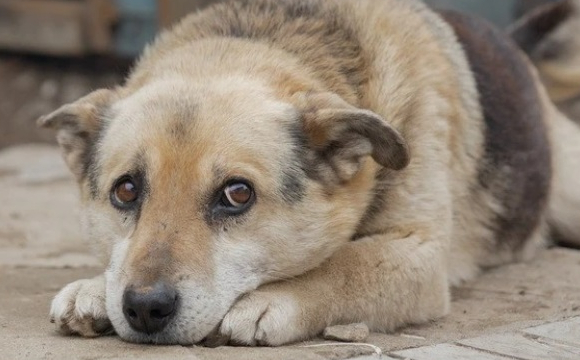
[(237, 195), (233, 199), (126, 191)]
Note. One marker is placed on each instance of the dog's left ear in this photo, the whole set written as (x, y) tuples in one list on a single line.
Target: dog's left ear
[(341, 136), (77, 125)]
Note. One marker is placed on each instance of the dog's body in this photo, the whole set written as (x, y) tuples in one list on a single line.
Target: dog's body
[(384, 153)]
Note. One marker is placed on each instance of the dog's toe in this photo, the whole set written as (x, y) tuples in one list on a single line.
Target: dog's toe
[(263, 318), (241, 321), (79, 308)]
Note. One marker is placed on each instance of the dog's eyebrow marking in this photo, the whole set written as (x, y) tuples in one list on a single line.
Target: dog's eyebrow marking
[(292, 185), (141, 175), (218, 173), (91, 166), (90, 159), (294, 174)]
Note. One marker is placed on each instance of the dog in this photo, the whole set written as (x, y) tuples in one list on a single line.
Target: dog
[(549, 34), (271, 168)]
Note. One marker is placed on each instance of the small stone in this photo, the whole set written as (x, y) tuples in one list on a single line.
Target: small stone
[(349, 333)]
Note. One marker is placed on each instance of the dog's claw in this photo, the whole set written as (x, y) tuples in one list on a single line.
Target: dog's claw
[(215, 338), (79, 308)]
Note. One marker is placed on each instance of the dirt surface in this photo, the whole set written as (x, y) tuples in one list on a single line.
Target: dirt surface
[(42, 250)]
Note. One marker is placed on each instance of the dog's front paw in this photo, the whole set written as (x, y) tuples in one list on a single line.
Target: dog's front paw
[(79, 308), (266, 318)]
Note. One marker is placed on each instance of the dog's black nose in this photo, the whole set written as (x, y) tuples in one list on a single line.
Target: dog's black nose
[(148, 309)]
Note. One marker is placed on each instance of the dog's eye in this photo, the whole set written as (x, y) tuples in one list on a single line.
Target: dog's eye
[(234, 198), (125, 192), (237, 195)]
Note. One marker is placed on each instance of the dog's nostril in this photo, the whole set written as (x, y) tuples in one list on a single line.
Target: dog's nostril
[(149, 309), (131, 313)]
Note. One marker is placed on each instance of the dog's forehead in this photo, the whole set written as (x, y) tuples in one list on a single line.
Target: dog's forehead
[(233, 105), (227, 123)]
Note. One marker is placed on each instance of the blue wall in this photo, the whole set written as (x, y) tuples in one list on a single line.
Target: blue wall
[(137, 27), (139, 19)]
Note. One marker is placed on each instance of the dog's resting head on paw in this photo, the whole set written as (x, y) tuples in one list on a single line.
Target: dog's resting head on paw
[(200, 192)]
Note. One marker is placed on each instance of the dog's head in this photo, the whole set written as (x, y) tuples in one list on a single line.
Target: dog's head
[(198, 193)]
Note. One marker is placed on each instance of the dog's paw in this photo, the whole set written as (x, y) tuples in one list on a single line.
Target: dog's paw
[(79, 308), (265, 318)]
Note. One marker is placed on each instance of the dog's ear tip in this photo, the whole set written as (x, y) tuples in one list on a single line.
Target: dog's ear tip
[(405, 151), (43, 121), (49, 120), (402, 161), (58, 116), (397, 159)]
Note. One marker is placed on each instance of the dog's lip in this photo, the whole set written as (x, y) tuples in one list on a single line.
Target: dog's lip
[(215, 338)]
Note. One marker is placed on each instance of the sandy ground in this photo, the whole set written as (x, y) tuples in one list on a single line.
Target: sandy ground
[(41, 250)]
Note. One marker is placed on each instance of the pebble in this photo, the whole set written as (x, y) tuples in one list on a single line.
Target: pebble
[(349, 333)]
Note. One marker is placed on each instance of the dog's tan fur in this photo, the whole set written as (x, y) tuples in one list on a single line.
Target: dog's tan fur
[(364, 131)]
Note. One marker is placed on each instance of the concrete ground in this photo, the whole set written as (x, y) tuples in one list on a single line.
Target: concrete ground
[(522, 311)]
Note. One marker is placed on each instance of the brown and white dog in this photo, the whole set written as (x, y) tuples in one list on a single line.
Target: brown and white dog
[(271, 168)]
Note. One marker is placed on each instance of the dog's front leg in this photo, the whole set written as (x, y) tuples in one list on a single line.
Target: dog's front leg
[(381, 281), (79, 308)]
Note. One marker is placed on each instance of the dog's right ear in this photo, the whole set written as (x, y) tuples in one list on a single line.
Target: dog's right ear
[(77, 125), (530, 31), (340, 137)]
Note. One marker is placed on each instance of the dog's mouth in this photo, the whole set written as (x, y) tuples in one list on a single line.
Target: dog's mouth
[(215, 338)]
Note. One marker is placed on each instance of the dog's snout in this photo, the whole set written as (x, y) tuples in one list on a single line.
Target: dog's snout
[(148, 309)]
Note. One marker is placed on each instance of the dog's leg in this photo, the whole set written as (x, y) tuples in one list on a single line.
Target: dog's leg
[(381, 281), (79, 308), (564, 209)]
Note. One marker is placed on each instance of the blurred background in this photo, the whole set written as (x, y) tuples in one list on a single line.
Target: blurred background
[(55, 51)]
